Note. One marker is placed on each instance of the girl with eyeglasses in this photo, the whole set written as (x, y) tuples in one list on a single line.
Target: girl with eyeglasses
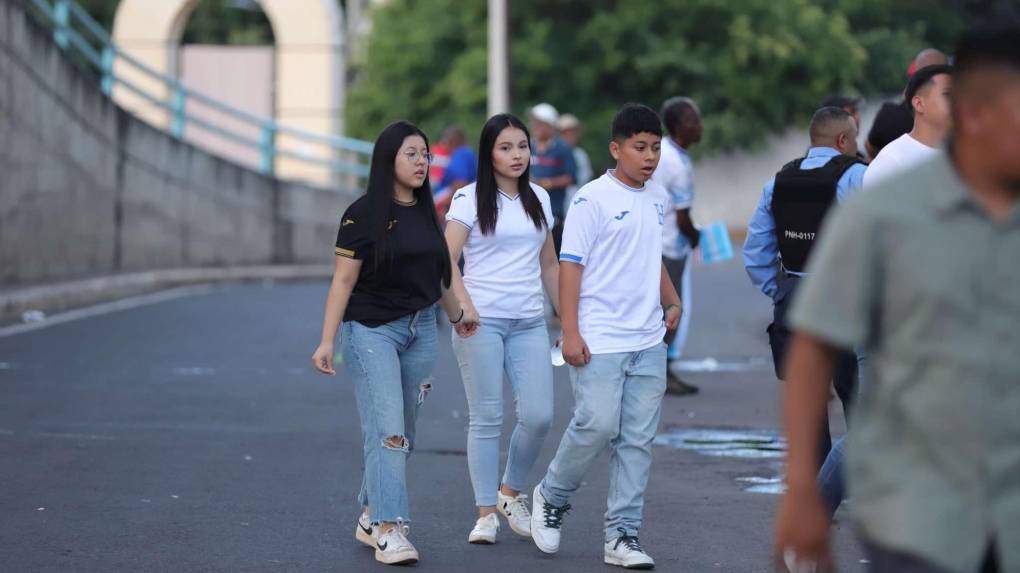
[(501, 225), (392, 266)]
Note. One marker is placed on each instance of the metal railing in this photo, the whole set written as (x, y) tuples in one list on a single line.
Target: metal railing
[(74, 29)]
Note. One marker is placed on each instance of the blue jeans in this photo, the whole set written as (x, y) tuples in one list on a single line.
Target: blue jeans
[(517, 347), (389, 365), (617, 403), (831, 478)]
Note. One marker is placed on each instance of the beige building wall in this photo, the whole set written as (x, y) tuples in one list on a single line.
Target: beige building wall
[(240, 76), (310, 67)]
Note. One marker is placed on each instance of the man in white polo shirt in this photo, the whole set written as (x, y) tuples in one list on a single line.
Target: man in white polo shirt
[(679, 236), (928, 96), (613, 286)]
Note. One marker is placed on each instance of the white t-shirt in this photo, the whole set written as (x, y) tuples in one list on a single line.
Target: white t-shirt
[(676, 173), (502, 272), (900, 154), (615, 232)]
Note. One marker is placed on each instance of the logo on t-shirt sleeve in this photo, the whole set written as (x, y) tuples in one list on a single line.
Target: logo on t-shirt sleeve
[(579, 200), (458, 196), (621, 215)]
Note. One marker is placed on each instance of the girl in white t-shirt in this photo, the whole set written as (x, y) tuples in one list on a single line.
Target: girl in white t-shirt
[(501, 225)]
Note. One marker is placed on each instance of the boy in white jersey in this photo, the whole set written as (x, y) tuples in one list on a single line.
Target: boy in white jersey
[(616, 301)]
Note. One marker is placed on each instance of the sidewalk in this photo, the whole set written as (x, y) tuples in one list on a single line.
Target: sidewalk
[(60, 296)]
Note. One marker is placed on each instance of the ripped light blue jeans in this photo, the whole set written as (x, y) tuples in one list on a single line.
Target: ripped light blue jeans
[(390, 367), (520, 349)]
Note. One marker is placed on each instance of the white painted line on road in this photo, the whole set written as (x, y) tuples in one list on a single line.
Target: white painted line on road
[(74, 436), (106, 308)]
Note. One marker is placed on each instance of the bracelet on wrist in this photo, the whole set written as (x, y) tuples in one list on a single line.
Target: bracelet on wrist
[(459, 318)]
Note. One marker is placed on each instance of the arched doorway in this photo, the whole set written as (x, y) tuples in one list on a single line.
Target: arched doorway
[(226, 51), (309, 55)]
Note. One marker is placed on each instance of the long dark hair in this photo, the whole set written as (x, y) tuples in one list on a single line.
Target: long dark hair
[(381, 194), (486, 191)]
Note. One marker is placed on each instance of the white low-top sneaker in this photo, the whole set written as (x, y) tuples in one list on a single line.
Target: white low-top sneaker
[(393, 548), (546, 520), (485, 530), (365, 531), (625, 551), (517, 514)]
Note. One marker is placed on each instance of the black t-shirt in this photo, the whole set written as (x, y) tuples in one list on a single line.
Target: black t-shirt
[(408, 278), (893, 120)]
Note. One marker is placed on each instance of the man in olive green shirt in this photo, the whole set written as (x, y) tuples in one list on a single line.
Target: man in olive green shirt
[(924, 272)]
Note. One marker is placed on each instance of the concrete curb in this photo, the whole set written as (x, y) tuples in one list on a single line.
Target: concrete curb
[(57, 297)]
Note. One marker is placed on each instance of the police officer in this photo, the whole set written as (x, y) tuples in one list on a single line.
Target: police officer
[(786, 222)]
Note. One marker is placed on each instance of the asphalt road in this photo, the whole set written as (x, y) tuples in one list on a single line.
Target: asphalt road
[(193, 435)]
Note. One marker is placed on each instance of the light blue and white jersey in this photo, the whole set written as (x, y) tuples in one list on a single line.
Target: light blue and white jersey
[(615, 232), (676, 173)]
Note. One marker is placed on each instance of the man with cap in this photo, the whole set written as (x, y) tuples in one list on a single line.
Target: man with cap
[(927, 94), (552, 162)]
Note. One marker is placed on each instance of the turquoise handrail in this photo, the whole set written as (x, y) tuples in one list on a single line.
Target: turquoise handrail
[(74, 28)]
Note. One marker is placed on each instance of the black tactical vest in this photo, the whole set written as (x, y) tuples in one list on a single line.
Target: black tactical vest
[(800, 200)]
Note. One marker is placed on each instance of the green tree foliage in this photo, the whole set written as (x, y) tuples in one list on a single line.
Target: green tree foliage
[(754, 66)]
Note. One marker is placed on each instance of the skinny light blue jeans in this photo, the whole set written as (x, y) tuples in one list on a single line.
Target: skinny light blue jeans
[(518, 349)]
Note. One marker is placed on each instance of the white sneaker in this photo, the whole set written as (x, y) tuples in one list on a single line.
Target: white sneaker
[(545, 522), (625, 551), (485, 530), (393, 548), (517, 514), (365, 531)]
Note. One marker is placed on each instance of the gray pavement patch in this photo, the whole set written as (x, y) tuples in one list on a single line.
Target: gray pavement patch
[(441, 452), (194, 371)]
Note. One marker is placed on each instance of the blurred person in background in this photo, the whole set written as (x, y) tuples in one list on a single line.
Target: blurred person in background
[(894, 118), (924, 274), (675, 172), (927, 94), (461, 168), (552, 162), (570, 131)]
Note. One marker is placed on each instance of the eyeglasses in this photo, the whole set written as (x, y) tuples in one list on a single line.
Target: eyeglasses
[(413, 156)]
